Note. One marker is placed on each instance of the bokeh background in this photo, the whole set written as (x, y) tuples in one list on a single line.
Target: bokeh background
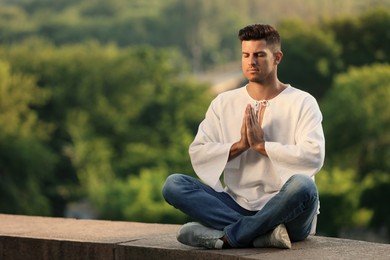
[(99, 101)]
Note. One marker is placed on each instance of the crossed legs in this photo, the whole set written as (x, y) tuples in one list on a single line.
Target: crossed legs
[(294, 206)]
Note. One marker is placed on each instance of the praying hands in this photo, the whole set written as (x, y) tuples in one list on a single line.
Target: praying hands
[(252, 135)]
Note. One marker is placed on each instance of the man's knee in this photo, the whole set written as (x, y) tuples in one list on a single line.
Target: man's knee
[(175, 187), (303, 184), (303, 181), (170, 186)]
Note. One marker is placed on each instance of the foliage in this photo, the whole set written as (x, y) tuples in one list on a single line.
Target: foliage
[(364, 38), (138, 198), (311, 57), (358, 99), (350, 201), (340, 191), (357, 132), (97, 99), (204, 31), (25, 160), (375, 197), (115, 111)]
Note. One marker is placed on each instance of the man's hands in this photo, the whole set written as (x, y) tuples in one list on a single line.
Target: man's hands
[(254, 132), (242, 145), (252, 135)]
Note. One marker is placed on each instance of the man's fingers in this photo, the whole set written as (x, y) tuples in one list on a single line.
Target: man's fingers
[(253, 117)]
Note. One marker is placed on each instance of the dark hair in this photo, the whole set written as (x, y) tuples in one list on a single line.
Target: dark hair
[(260, 32)]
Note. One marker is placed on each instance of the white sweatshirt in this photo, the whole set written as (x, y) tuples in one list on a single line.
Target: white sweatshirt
[(294, 143)]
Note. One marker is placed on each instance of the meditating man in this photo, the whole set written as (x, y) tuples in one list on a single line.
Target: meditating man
[(256, 153)]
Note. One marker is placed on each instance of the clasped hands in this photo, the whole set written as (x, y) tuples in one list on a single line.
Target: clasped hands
[(252, 135)]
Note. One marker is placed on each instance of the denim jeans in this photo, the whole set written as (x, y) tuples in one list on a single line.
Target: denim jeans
[(295, 206)]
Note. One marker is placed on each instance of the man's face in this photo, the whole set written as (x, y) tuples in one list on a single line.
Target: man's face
[(258, 60)]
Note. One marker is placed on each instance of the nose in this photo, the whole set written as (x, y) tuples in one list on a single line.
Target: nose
[(252, 60)]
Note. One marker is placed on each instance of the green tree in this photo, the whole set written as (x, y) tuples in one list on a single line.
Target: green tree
[(374, 197), (205, 30), (311, 57), (26, 163), (356, 119), (138, 198), (340, 208), (116, 112), (364, 38), (357, 127)]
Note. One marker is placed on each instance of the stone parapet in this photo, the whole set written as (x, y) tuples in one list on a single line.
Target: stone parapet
[(28, 237)]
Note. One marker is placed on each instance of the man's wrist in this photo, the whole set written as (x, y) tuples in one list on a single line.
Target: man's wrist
[(260, 148), (236, 149)]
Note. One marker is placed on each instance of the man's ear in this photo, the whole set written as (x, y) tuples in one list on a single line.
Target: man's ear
[(278, 57)]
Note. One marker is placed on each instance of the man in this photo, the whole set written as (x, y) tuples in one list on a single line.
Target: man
[(266, 139)]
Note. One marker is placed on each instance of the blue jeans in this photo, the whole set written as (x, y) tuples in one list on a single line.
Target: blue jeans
[(295, 206)]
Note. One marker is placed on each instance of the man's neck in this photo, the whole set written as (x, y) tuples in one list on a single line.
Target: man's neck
[(260, 91)]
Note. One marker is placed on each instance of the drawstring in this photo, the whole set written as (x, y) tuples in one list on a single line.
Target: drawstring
[(259, 106)]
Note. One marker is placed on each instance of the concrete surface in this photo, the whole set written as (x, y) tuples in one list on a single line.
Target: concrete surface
[(26, 237)]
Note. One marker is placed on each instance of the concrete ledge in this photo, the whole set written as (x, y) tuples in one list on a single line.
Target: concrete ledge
[(26, 237)]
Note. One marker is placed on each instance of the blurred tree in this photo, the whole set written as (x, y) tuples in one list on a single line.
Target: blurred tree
[(357, 127), (364, 38), (137, 198), (375, 197), (14, 24), (26, 163), (339, 193), (311, 57), (110, 123), (91, 156), (357, 121), (116, 111), (206, 27), (204, 31)]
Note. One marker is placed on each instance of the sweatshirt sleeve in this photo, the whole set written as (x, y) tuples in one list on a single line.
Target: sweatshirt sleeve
[(307, 155), (208, 153)]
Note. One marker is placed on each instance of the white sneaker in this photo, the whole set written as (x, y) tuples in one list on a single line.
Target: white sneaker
[(197, 235), (276, 238)]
